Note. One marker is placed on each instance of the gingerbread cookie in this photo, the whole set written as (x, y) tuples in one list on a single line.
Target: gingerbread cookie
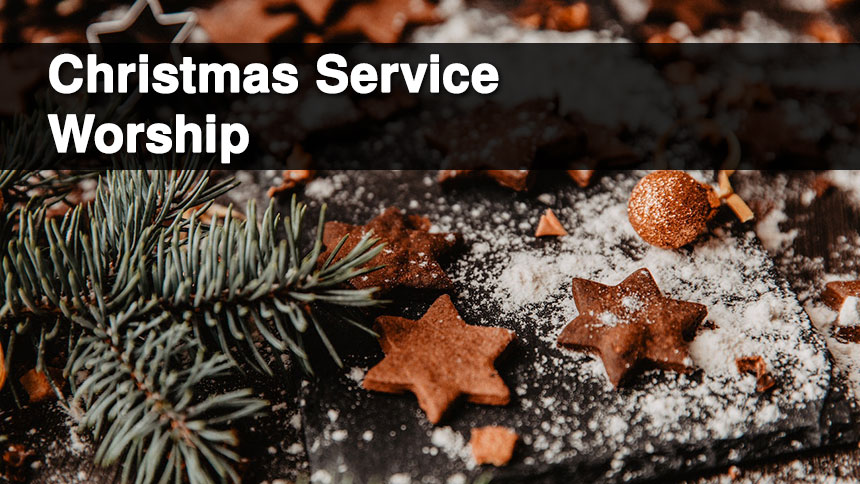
[(410, 257), (630, 324), (439, 358)]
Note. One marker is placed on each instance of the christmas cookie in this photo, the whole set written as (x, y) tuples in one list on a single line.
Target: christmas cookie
[(632, 323), (409, 258), (439, 358)]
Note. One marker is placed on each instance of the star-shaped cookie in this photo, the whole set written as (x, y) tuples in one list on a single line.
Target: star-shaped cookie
[(241, 21), (410, 257), (630, 324), (383, 21), (440, 358)]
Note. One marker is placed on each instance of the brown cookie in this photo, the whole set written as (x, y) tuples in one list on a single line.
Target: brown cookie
[(37, 386), (581, 177), (548, 225), (439, 358), (834, 295), (291, 179), (631, 323), (847, 334), (836, 292), (410, 257), (241, 21), (493, 445), (383, 21), (825, 30)]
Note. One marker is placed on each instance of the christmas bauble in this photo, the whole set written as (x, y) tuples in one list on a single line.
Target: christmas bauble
[(669, 209)]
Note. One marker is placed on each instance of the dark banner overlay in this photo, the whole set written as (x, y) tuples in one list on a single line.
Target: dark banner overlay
[(431, 106)]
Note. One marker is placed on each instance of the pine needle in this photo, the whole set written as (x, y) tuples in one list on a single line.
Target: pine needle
[(156, 305)]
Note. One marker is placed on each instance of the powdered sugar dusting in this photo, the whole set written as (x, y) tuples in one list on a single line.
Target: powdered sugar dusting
[(507, 277), (752, 315), (849, 315), (768, 197)]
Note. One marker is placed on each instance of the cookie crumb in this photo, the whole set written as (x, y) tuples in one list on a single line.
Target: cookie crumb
[(493, 445), (756, 366), (36, 385), (549, 225), (734, 473)]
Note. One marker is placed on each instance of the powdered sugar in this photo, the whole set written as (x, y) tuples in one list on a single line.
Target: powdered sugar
[(769, 220), (609, 319), (527, 279), (450, 442), (770, 196), (507, 277), (718, 268), (465, 23), (849, 315)]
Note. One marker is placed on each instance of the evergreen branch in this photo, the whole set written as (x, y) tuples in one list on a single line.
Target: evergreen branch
[(139, 396), (241, 280), (25, 180), (27, 157), (142, 290), (25, 147), (137, 383)]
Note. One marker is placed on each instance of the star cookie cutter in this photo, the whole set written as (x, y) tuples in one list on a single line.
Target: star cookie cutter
[(188, 19)]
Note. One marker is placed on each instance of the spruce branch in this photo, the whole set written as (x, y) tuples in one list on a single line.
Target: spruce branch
[(140, 404), (133, 375), (241, 280), (30, 177), (155, 303), (24, 143)]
